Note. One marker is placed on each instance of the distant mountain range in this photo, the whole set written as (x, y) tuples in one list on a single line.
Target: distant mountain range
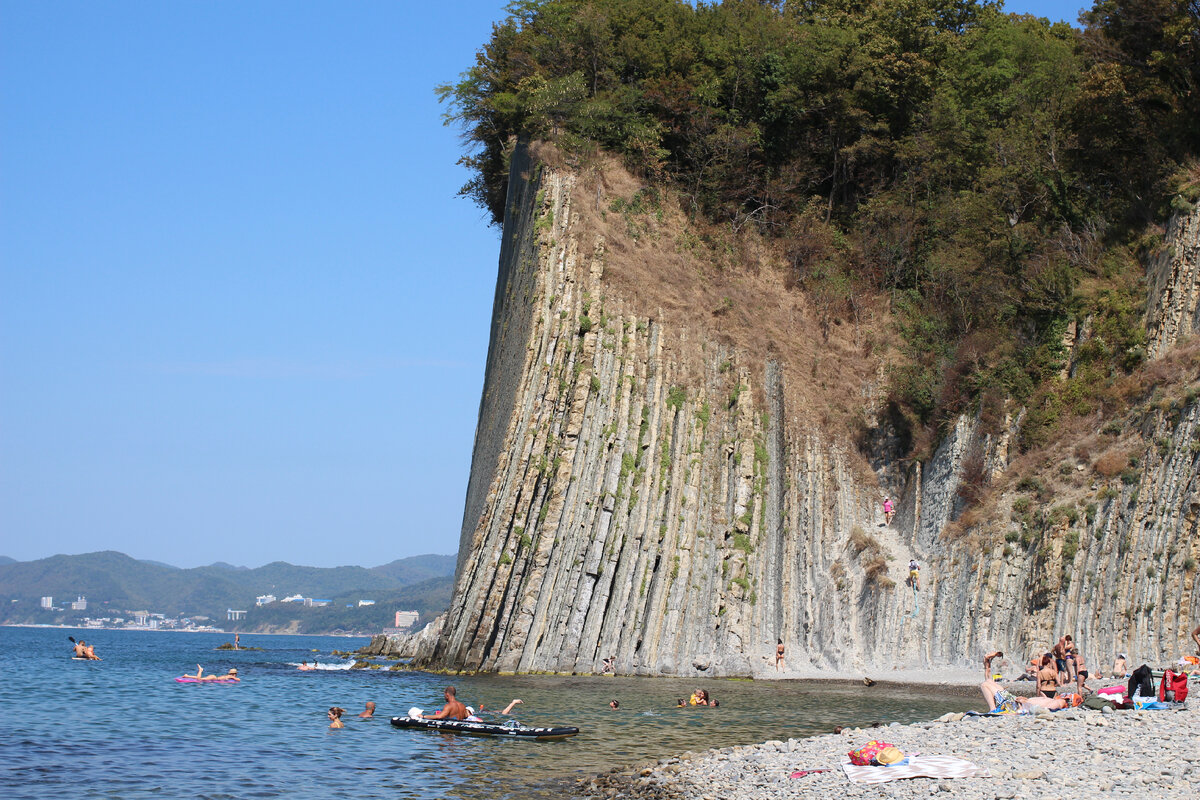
[(112, 580)]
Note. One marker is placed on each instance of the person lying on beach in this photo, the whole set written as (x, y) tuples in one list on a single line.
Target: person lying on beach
[(987, 666), (369, 712), (452, 710), (335, 717), (1047, 677), (1000, 699)]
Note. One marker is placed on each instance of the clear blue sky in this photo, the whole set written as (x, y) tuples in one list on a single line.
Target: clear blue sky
[(243, 314)]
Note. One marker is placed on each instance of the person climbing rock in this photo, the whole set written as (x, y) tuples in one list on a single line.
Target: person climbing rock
[(914, 575)]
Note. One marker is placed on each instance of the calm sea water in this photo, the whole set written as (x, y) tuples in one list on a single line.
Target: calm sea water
[(123, 728)]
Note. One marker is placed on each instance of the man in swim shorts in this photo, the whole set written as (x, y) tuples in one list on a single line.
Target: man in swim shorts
[(1000, 699)]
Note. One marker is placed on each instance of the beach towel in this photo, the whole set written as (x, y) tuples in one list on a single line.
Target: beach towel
[(996, 713), (917, 767)]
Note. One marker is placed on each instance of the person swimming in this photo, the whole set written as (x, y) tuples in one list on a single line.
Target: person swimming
[(335, 717)]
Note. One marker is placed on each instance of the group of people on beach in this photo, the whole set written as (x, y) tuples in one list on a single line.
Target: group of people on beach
[(1061, 666)]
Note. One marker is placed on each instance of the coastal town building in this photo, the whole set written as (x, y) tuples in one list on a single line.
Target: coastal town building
[(80, 604), (264, 599), (48, 602)]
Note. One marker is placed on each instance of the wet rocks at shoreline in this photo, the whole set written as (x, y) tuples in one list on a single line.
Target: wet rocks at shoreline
[(1072, 753)]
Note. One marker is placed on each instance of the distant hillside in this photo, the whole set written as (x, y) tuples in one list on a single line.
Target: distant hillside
[(428, 598), (112, 580), (415, 569), (7, 560)]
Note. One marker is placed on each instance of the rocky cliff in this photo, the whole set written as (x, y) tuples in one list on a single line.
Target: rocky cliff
[(1174, 275), (653, 483)]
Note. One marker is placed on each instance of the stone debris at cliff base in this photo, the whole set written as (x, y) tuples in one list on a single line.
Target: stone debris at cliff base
[(1073, 753)]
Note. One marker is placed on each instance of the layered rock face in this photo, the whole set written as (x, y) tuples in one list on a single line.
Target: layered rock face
[(1174, 309), (641, 490)]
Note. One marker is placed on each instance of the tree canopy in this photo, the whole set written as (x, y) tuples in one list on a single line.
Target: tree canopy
[(993, 172)]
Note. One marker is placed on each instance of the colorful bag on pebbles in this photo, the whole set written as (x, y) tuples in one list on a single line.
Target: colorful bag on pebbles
[(866, 755)]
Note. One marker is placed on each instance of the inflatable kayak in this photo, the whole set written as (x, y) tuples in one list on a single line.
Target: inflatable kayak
[(511, 728), (193, 680)]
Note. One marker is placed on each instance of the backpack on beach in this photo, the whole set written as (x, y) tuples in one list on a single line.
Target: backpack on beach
[(1141, 682), (1174, 687)]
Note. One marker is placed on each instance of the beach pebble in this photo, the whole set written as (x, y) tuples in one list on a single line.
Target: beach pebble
[(1114, 754)]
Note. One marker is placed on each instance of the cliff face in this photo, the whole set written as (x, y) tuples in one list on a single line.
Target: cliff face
[(1174, 309), (644, 489)]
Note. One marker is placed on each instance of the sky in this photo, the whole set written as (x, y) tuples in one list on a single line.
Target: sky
[(243, 312)]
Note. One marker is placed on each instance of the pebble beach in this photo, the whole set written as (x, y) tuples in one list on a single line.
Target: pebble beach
[(1078, 752)]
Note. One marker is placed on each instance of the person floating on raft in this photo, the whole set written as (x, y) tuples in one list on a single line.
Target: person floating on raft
[(232, 675)]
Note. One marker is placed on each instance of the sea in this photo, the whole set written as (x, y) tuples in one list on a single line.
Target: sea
[(124, 728)]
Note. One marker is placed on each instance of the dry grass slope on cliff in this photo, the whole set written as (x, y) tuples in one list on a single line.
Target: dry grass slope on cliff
[(727, 288)]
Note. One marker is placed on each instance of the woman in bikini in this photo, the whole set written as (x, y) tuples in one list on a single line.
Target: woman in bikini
[(1047, 677)]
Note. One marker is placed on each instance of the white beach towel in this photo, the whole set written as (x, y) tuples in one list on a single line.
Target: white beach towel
[(917, 767)]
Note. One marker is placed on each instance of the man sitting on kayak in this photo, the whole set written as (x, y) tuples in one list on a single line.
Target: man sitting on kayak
[(452, 710)]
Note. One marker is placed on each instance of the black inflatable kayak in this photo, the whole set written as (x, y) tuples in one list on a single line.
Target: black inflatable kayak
[(511, 728)]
